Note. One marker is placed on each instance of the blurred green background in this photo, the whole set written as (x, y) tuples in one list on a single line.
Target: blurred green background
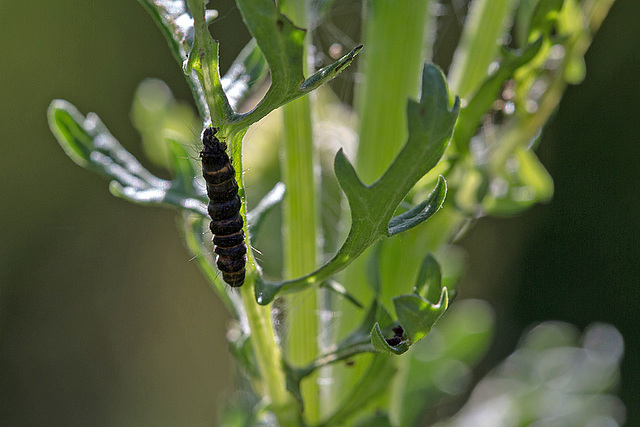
[(104, 320)]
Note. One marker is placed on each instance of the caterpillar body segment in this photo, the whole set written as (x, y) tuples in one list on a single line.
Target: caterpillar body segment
[(224, 208)]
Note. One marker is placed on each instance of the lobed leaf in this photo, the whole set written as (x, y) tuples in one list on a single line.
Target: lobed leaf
[(430, 125), (282, 44), (88, 142), (429, 280), (417, 315), (422, 211)]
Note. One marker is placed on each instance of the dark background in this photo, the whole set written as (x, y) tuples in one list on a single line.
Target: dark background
[(105, 321)]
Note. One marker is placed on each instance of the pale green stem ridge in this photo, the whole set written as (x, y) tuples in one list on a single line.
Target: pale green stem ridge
[(484, 26), (392, 63), (299, 219), (300, 224)]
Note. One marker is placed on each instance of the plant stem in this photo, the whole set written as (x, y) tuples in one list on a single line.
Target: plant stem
[(269, 358), (483, 27), (300, 224), (263, 338), (207, 50), (391, 66), (299, 219)]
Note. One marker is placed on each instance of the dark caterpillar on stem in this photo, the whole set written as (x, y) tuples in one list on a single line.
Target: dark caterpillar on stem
[(224, 208)]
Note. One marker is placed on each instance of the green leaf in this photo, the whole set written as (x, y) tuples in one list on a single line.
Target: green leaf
[(429, 280), (544, 17), (384, 345), (282, 44), (417, 315), (522, 183), (371, 385), (89, 144), (421, 212), (430, 124), (175, 23), (482, 101), (376, 420)]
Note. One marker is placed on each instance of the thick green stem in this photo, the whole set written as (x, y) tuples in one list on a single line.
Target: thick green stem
[(391, 66), (269, 358), (207, 51), (299, 218), (484, 26), (300, 223)]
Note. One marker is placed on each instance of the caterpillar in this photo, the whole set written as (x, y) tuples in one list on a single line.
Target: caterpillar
[(224, 208)]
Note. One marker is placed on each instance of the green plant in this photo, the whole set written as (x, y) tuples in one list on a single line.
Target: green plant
[(395, 274)]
